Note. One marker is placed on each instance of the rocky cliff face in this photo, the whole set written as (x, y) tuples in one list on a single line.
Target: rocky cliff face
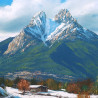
[(21, 42), (64, 16), (27, 37), (48, 31)]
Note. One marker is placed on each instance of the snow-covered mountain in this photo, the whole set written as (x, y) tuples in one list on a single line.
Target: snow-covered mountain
[(68, 28), (63, 26), (57, 46), (37, 26)]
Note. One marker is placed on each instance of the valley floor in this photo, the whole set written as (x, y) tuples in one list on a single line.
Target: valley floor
[(50, 94)]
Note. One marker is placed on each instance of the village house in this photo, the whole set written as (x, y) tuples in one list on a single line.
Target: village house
[(38, 88)]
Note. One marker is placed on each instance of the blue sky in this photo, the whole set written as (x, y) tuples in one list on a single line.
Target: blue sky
[(14, 17), (5, 2), (62, 1), (8, 2)]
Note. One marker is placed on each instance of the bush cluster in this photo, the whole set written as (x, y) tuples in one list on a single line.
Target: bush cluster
[(83, 87)]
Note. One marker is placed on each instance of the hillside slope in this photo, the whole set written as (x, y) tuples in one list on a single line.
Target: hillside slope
[(59, 46), (76, 58)]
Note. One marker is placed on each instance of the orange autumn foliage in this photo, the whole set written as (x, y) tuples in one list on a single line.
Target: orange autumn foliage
[(23, 85), (80, 87), (83, 95), (73, 88)]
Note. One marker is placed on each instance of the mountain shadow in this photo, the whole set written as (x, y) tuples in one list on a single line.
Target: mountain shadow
[(66, 57)]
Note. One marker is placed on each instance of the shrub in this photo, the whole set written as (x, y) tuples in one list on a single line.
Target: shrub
[(85, 95), (73, 88), (94, 89), (80, 86)]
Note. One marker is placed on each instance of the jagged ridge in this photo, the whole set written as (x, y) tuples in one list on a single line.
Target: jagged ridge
[(64, 26)]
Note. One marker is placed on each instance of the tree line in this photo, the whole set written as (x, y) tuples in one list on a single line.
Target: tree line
[(78, 87)]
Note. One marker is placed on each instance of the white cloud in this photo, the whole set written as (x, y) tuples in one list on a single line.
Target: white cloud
[(4, 36), (13, 18), (80, 7)]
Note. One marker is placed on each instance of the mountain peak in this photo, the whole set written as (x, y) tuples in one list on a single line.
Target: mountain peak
[(37, 18), (64, 16), (63, 11), (37, 25), (41, 14)]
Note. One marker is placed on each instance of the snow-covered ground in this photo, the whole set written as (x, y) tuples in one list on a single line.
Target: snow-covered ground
[(17, 94), (49, 94)]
